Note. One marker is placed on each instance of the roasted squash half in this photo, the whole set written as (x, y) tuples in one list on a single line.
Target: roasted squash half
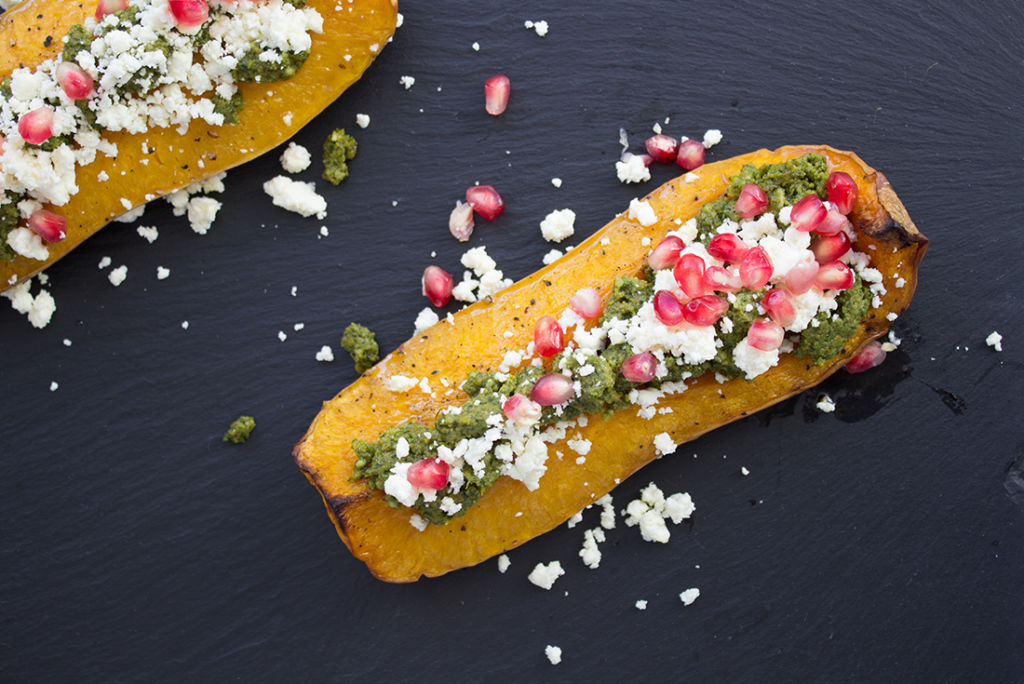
[(354, 33), (382, 537)]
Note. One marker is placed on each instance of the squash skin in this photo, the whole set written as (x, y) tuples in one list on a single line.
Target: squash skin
[(382, 537), (175, 162)]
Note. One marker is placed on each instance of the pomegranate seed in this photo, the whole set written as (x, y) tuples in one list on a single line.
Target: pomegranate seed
[(834, 275), (705, 311), (662, 148), (548, 336), (867, 358), (105, 7), (189, 13), (587, 303), (751, 202), (437, 285), (808, 213), (552, 389), (800, 278), (640, 367), (496, 92), (520, 409), (646, 158), (460, 223), (668, 308), (755, 268), (36, 127), (842, 191), (429, 473), (728, 247), (691, 154), (75, 81), (765, 335), (47, 225), (721, 279), (834, 223), (778, 304), (485, 200), (666, 253), (828, 248), (689, 273)]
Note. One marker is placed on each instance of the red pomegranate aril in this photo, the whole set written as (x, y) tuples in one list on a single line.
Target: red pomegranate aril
[(47, 225), (460, 222), (36, 127), (765, 335), (842, 191), (689, 273), (828, 248), (662, 148), (778, 304), (705, 311), (587, 303), (867, 358), (640, 368), (437, 285), (834, 223), (751, 202), (485, 200), (645, 158), (429, 473), (520, 409), (189, 13), (721, 279), (668, 308), (834, 275), (552, 389), (548, 336), (755, 268), (105, 7), (808, 213), (800, 278), (75, 81), (496, 92), (691, 154), (728, 247), (666, 253)]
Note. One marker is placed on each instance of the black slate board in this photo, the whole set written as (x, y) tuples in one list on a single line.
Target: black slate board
[(879, 543)]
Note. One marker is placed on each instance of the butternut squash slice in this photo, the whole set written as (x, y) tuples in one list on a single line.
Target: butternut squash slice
[(382, 537), (354, 33)]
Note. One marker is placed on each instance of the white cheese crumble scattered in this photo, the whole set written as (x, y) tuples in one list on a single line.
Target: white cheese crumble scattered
[(131, 215), (995, 340), (202, 212), (162, 273), (503, 563), (631, 169), (407, 81), (539, 27), (54, 386), (39, 308), (663, 443), (118, 275), (400, 383), (689, 596), (641, 604), (148, 233), (744, 471), (282, 335), (753, 361), (325, 354), (476, 46), (544, 576), (558, 225), (301, 198), (418, 522), (295, 158), (552, 256), (825, 404), (27, 244), (424, 319), (712, 137), (557, 182), (554, 654), (642, 212), (652, 509), (590, 553)]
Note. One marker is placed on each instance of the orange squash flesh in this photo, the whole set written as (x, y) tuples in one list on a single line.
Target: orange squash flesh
[(273, 113), (382, 537)]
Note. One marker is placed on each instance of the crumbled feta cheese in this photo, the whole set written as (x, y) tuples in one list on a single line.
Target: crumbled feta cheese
[(554, 654), (689, 596), (132, 214), (362, 120), (202, 211), (539, 27), (281, 335), (558, 225), (407, 81), (325, 354), (301, 198), (712, 137), (631, 169), (418, 522), (557, 182), (679, 507), (503, 563), (552, 256), (54, 386), (424, 319), (641, 604), (663, 443), (995, 340), (590, 553), (744, 471), (825, 404), (162, 273), (642, 212), (476, 46), (751, 361), (118, 275), (400, 383), (148, 233), (27, 244), (544, 576), (574, 520), (295, 158)]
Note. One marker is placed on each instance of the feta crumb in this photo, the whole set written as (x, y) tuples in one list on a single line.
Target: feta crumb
[(689, 596), (642, 212), (995, 340), (54, 386), (825, 404), (407, 81), (117, 275), (104, 262), (544, 576), (424, 319), (162, 273), (184, 325), (476, 46), (362, 120), (557, 182), (295, 158), (418, 522), (503, 563), (400, 383), (712, 137), (558, 225), (281, 335), (744, 471), (301, 198), (632, 169), (554, 654), (663, 443), (574, 520), (202, 211), (641, 604), (539, 27), (67, 342), (552, 256), (148, 233), (325, 354)]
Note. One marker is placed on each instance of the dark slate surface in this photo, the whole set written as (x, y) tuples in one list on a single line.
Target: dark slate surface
[(884, 542)]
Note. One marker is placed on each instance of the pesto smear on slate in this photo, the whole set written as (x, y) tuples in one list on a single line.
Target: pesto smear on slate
[(636, 352), (361, 344)]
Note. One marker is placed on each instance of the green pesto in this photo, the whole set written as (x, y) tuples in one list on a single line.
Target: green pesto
[(240, 429), (253, 69), (825, 341), (144, 80), (230, 108), (296, 3), (5, 88), (361, 344), (53, 142), (76, 40), (9, 217), (339, 149), (88, 115), (628, 295), (469, 422)]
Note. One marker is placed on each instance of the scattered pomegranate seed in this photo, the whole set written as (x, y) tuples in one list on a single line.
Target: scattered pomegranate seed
[(689, 273), (646, 158), (705, 311), (496, 92), (778, 304), (867, 358), (587, 303), (36, 127), (640, 367), (808, 213), (691, 154), (834, 275), (842, 191), (429, 473), (662, 148), (75, 81), (47, 225), (189, 13), (548, 336), (755, 268), (765, 335), (485, 201), (666, 253), (105, 7), (721, 279), (460, 223), (728, 247), (668, 308), (800, 278), (751, 202), (520, 409), (552, 389), (834, 222), (437, 285), (828, 248)]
